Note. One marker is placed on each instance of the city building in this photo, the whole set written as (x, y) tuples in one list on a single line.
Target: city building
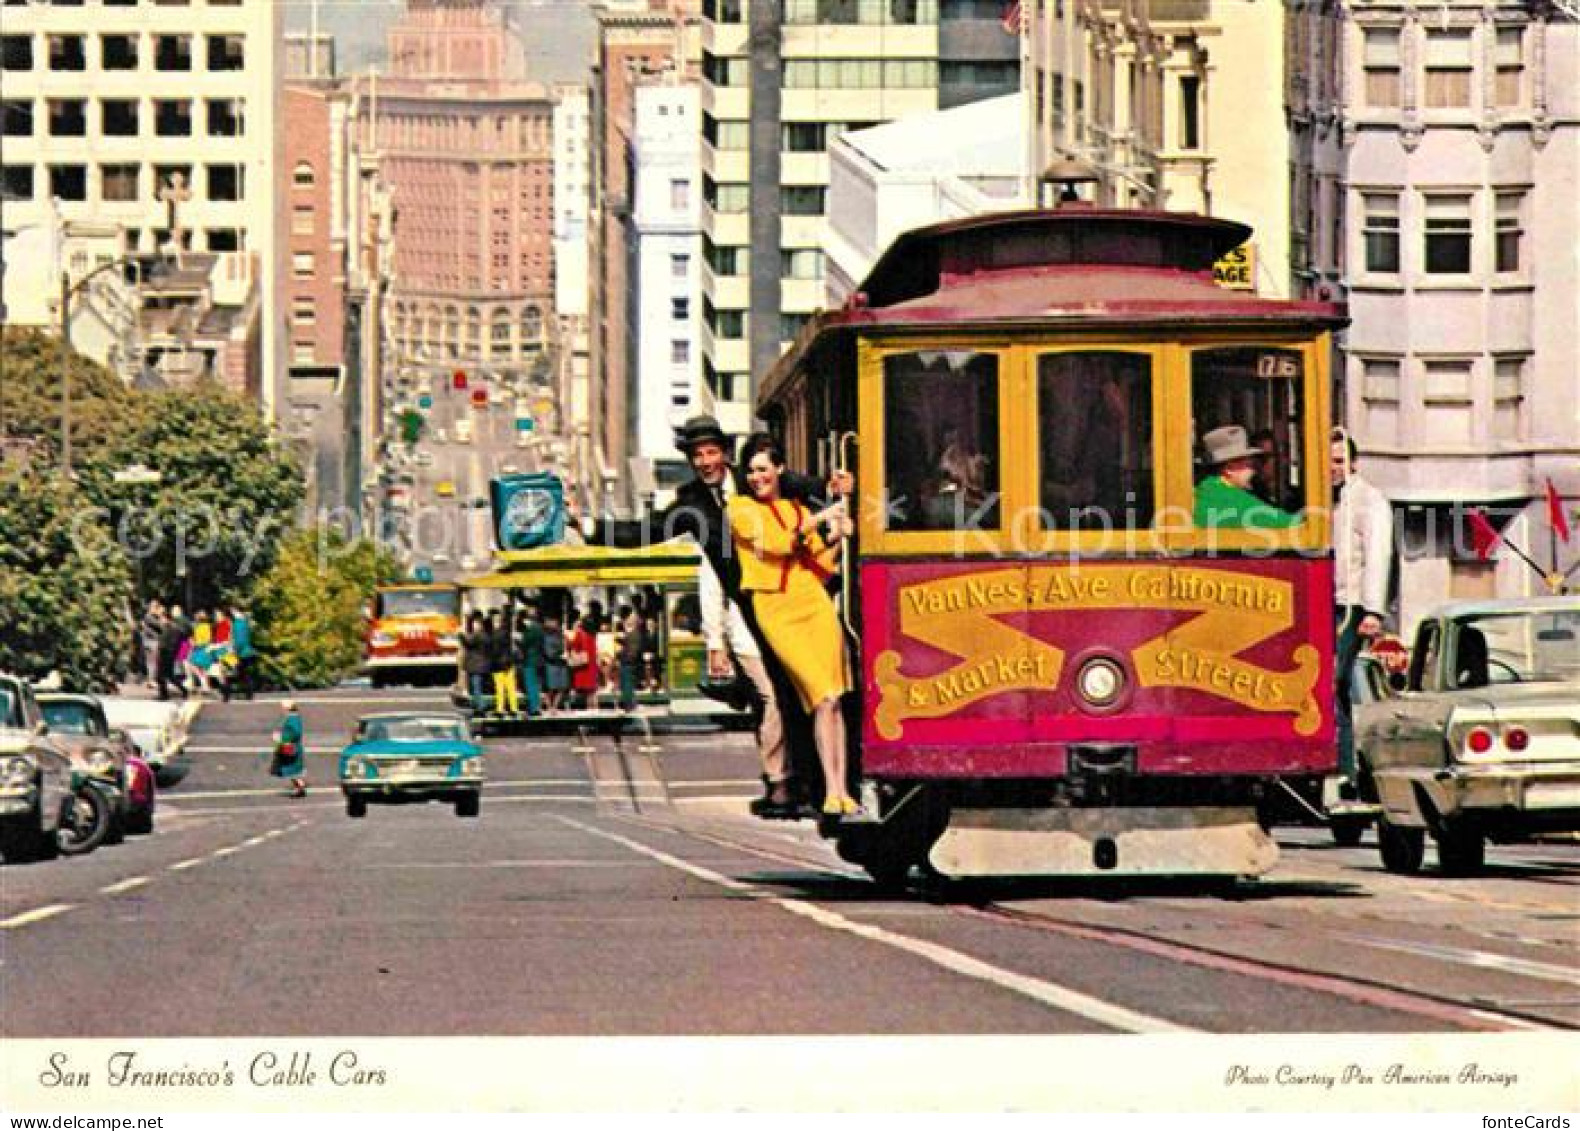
[(780, 83), (915, 171), (1439, 191), (572, 197), (162, 118), (1176, 104), (464, 141), (666, 252), (638, 42), (564, 431)]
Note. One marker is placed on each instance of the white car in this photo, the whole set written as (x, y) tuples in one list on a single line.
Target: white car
[(159, 728)]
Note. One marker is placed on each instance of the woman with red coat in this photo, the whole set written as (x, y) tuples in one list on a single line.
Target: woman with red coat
[(581, 653)]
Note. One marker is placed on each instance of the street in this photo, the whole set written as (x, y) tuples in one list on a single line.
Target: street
[(623, 890)]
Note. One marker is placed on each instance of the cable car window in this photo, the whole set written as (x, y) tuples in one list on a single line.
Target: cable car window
[(1259, 389), (1094, 411), (941, 457)]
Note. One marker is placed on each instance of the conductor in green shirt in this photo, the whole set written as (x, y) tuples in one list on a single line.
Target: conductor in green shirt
[(1224, 499)]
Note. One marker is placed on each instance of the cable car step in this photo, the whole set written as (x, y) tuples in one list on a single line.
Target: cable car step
[(1104, 842)]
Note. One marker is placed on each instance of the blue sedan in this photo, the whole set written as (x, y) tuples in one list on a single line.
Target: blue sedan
[(403, 757)]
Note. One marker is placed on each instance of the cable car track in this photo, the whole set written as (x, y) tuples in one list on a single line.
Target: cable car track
[(1485, 1017)]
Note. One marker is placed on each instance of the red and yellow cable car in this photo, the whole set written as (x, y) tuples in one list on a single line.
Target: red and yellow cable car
[(1063, 669)]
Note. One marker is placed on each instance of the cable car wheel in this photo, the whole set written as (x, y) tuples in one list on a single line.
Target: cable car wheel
[(912, 824)]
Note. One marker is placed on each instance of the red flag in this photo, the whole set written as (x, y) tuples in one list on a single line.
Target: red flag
[(1555, 513), (1484, 537), (1011, 20)]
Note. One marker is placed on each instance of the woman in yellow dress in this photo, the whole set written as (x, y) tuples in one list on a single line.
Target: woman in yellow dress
[(784, 563)]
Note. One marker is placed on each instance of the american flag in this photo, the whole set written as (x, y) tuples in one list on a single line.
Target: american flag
[(1011, 20)]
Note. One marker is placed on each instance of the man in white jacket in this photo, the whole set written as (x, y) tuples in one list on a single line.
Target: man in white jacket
[(1363, 550)]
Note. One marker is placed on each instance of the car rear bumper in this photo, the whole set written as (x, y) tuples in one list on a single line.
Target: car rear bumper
[(1510, 799), (434, 660)]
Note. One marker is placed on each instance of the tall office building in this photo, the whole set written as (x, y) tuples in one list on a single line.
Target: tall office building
[(465, 142), (781, 80), (160, 117)]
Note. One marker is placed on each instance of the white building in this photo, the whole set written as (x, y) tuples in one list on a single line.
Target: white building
[(107, 108), (1444, 198), (666, 253), (919, 170), (572, 197)]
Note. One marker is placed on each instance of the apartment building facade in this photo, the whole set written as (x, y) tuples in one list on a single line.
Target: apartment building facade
[(160, 116)]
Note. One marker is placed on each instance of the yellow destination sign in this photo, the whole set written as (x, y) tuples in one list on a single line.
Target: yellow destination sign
[(1237, 269), (958, 616)]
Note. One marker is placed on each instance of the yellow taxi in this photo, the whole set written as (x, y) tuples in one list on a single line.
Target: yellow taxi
[(445, 489)]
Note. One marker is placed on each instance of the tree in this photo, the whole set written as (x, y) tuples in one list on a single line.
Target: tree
[(308, 607), (65, 588), (30, 368), (228, 492)]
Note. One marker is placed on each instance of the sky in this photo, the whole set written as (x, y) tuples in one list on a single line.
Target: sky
[(558, 34)]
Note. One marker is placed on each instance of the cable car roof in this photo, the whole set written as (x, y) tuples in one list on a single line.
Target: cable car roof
[(1063, 267)]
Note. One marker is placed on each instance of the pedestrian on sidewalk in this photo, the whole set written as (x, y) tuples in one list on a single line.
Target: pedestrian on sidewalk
[(290, 750), (153, 624)]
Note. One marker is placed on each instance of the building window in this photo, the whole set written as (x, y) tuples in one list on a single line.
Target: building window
[(302, 220), (303, 353), (802, 200), (1380, 394), (1448, 68), (302, 176), (1508, 399), (801, 263), (69, 182), (729, 324), (16, 117), (725, 197), (1511, 66), (119, 182), (803, 137), (225, 117), (16, 182), (66, 53), (1510, 230), (791, 323), (118, 117), (224, 239), (680, 308), (226, 53), (1380, 59), (680, 352), (680, 193), (173, 119), (1447, 243), (679, 265), (118, 52), (1190, 112), (172, 52), (303, 265), (16, 53), (226, 182), (1380, 232)]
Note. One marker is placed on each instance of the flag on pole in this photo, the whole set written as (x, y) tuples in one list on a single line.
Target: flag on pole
[(1484, 537), (1555, 513), (1011, 20)]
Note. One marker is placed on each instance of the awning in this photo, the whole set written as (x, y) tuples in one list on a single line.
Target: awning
[(565, 567)]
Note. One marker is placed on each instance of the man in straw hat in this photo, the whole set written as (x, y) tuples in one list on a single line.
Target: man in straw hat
[(1224, 499), (729, 628)]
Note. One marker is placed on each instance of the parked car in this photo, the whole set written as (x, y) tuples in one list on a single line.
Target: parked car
[(78, 722), (159, 729), (110, 756), (1484, 742), (35, 777), (399, 757)]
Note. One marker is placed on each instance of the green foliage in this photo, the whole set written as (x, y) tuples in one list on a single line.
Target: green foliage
[(30, 361), (308, 606), (227, 493), (65, 588)]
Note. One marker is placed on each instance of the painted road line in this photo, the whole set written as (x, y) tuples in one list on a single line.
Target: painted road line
[(183, 865), (1046, 993), (37, 915), (1481, 959), (125, 885)]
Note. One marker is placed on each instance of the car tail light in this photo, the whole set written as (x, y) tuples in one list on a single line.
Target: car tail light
[(1479, 740), (1517, 739)]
